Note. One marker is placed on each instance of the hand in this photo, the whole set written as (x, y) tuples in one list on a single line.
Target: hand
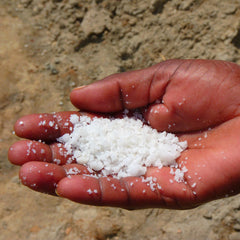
[(199, 100)]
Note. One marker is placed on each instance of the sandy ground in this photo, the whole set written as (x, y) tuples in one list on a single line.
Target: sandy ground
[(49, 47)]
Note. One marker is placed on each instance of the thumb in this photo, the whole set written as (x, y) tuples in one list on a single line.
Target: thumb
[(162, 118), (128, 90)]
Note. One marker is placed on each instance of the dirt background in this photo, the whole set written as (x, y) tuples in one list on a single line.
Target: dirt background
[(49, 47)]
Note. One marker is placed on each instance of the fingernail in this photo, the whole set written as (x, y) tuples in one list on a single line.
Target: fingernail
[(57, 193), (77, 88)]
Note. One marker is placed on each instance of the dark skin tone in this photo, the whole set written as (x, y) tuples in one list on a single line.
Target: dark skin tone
[(199, 100)]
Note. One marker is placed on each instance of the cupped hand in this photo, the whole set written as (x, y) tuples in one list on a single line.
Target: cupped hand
[(198, 100)]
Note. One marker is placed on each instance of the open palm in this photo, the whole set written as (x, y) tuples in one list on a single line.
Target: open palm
[(196, 99)]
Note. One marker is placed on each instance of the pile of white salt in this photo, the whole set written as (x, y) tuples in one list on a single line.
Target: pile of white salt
[(120, 147)]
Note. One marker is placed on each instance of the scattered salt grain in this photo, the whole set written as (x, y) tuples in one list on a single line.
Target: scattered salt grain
[(89, 191), (194, 185), (29, 144), (42, 123), (73, 171), (120, 147), (151, 182), (51, 123), (57, 161)]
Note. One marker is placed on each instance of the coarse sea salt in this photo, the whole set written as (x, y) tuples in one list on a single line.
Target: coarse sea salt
[(120, 147)]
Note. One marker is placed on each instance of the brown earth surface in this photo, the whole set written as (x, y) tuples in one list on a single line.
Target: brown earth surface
[(49, 47)]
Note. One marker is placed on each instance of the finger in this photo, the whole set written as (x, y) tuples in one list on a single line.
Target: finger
[(129, 193), (37, 126), (128, 90), (87, 190), (46, 127), (41, 177), (26, 151)]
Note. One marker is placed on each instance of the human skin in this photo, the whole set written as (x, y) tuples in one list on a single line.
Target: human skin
[(199, 100)]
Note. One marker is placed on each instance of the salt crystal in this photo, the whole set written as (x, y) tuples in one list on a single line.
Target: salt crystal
[(120, 147), (89, 191), (151, 182), (194, 185), (51, 123), (73, 171), (42, 123), (29, 144)]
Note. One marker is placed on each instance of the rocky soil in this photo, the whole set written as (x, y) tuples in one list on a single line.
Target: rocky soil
[(47, 47)]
